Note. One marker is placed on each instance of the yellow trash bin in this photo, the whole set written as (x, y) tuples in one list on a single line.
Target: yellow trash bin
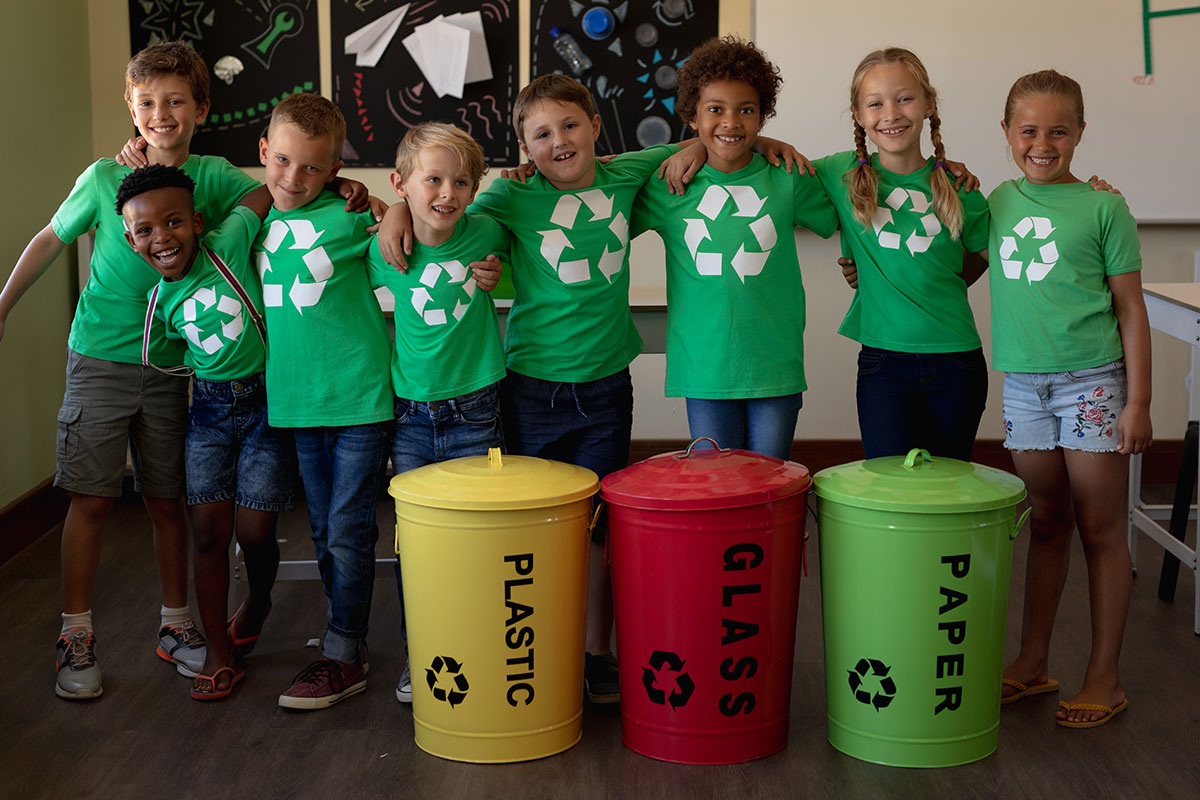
[(493, 552)]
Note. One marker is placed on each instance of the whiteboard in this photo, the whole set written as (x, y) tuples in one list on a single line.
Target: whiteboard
[(1142, 129)]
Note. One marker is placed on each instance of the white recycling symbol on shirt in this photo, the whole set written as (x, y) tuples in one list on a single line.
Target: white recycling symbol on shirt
[(747, 203), (555, 241), (895, 202), (421, 298), (1041, 228), (304, 236), (207, 297)]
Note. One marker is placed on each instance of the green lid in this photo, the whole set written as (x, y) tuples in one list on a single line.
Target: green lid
[(919, 484)]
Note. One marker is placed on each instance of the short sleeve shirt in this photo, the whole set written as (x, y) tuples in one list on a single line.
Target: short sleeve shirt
[(327, 343), (1052, 249), (203, 310), (911, 296), (112, 306), (570, 320), (447, 337)]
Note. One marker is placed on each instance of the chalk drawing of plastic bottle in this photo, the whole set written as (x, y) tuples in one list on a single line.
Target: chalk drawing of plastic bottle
[(566, 46)]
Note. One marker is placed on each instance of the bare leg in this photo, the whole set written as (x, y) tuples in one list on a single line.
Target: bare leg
[(256, 535), (170, 547), (1051, 526), (599, 603), (81, 549), (214, 531)]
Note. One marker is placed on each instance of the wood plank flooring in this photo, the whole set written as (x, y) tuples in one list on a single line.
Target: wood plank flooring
[(145, 737)]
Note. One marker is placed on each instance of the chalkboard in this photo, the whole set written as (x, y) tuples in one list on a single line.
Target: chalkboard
[(382, 102), (1137, 63), (632, 77), (257, 52)]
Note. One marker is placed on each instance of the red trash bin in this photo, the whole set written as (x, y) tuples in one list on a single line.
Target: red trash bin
[(706, 548)]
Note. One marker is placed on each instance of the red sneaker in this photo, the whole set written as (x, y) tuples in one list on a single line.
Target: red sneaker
[(323, 683)]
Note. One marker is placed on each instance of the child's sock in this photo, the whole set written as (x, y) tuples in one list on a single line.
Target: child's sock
[(174, 616), (81, 620)]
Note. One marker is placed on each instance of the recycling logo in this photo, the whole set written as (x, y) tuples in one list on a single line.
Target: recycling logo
[(666, 670), (422, 298), (556, 241), (202, 300), (885, 217), (303, 294), (445, 672), (746, 203), (868, 674), (1011, 260)]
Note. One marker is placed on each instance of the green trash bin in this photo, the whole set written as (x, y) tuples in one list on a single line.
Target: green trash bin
[(916, 555)]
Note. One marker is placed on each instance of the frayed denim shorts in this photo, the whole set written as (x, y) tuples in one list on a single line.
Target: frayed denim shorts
[(1075, 410)]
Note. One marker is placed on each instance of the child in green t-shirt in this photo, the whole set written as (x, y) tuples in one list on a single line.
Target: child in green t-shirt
[(210, 299), (1070, 330)]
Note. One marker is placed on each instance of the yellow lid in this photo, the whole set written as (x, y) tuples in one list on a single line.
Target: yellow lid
[(493, 483)]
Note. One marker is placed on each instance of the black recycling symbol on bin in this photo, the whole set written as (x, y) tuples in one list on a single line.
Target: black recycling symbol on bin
[(664, 664), (887, 687), (446, 669)]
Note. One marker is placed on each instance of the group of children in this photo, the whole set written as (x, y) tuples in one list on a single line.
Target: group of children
[(295, 261)]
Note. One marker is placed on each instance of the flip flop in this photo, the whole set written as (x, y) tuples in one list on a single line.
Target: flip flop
[(1109, 713), (241, 647), (213, 693), (1024, 689)]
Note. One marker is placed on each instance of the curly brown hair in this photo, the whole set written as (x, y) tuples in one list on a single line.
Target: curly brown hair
[(727, 58)]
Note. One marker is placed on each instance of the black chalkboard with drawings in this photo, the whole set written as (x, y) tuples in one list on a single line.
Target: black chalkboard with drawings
[(383, 101), (257, 51), (634, 48)]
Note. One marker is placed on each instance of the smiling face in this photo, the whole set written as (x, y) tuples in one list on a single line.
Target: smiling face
[(298, 165), (728, 119), (1043, 132), (163, 227), (166, 113), (560, 139), (892, 108), (438, 191)]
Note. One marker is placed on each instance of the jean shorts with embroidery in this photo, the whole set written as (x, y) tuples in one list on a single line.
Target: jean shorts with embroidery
[(1076, 410)]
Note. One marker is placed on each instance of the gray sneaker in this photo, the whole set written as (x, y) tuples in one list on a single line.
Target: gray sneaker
[(78, 672), (184, 646), (404, 688)]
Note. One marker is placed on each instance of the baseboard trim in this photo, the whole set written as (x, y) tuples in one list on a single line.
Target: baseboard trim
[(25, 519)]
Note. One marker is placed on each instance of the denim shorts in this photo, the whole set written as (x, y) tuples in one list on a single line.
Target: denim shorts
[(109, 407), (232, 453), (439, 430), (1075, 410)]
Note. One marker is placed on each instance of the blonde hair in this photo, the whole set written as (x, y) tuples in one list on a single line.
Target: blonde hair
[(438, 134), (314, 115), (168, 58), (550, 87), (1047, 81), (862, 181)]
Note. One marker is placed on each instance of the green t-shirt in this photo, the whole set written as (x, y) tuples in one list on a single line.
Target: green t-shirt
[(447, 336), (570, 320), (327, 343), (1051, 251), (203, 310), (112, 306), (735, 298), (911, 296)]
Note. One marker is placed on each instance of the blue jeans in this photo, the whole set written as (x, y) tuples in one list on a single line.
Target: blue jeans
[(928, 400), (586, 424), (342, 468), (765, 425)]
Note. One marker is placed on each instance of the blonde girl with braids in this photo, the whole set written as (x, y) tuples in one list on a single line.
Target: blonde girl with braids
[(918, 243)]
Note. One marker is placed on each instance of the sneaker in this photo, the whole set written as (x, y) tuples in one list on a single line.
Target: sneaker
[(600, 678), (323, 683), (78, 672), (184, 646), (404, 688)]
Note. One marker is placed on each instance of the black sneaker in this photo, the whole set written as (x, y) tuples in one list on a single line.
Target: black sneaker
[(600, 678)]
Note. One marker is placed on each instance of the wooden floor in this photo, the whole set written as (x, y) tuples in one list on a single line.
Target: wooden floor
[(146, 738)]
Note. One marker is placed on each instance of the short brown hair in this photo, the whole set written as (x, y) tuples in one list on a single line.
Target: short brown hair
[(314, 115), (438, 134), (168, 58), (726, 59), (550, 87)]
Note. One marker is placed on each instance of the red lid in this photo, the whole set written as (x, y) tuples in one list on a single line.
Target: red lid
[(701, 479)]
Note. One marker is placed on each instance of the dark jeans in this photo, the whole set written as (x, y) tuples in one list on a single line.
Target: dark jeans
[(928, 400)]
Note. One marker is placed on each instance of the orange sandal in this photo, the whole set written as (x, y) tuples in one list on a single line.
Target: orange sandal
[(213, 693)]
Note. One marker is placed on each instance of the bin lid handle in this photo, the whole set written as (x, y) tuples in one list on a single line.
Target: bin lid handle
[(910, 460), (495, 459), (696, 441)]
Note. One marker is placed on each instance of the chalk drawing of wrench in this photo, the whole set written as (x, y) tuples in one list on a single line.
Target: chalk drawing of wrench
[(286, 20)]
